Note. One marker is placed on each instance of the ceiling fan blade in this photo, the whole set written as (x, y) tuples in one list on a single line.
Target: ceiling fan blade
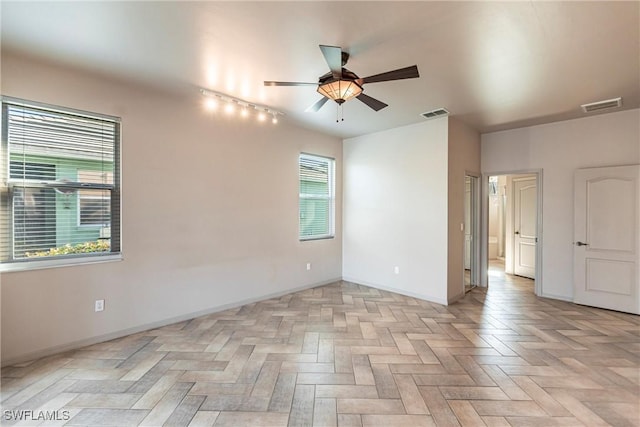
[(399, 74), (318, 105), (333, 56), (373, 103), (270, 83)]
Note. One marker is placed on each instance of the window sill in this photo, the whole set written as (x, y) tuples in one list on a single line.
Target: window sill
[(54, 263), (307, 239)]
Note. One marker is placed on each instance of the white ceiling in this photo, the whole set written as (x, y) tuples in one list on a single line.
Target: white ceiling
[(494, 65)]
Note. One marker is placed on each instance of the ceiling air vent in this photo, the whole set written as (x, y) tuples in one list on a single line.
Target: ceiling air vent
[(602, 105), (435, 113)]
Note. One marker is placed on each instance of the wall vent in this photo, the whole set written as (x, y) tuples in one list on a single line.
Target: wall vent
[(438, 112), (602, 105)]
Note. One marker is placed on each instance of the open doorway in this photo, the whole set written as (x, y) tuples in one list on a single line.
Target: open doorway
[(512, 231), (471, 229)]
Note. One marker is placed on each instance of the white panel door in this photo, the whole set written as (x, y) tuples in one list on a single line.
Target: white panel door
[(607, 238), (525, 195)]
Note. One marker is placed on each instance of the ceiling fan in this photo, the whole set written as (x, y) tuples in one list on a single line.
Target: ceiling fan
[(341, 85)]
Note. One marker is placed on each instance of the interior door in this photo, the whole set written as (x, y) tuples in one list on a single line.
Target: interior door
[(525, 194), (607, 237)]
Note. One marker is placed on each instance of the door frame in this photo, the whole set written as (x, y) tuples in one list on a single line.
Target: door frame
[(484, 232), (476, 219)]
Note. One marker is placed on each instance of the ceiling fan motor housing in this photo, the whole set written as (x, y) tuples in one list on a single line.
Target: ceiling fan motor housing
[(345, 58)]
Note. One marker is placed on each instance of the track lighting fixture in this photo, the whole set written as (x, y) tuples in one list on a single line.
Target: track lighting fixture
[(213, 100), (211, 104)]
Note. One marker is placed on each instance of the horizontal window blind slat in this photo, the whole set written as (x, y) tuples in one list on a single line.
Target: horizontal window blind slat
[(36, 132), (316, 196), (62, 193)]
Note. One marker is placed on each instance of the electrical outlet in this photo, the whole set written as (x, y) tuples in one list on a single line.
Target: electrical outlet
[(308, 266), (99, 305), (396, 269)]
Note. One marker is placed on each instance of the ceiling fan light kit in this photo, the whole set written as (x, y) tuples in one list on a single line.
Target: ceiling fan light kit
[(341, 85), (340, 90)]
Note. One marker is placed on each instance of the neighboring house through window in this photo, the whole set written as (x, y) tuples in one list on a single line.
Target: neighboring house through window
[(60, 197), (317, 197), (94, 205)]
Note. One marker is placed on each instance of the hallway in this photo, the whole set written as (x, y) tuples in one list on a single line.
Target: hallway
[(499, 280)]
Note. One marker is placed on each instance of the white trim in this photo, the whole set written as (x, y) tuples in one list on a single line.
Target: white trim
[(423, 297), (476, 204), (484, 249), (33, 264), (153, 325), (317, 237), (558, 297)]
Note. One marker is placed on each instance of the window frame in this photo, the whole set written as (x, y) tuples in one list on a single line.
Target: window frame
[(331, 197), (7, 183)]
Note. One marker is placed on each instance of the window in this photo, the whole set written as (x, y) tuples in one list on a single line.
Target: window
[(60, 197), (32, 203), (94, 205), (317, 197)]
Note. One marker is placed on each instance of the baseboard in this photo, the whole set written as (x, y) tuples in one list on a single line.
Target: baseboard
[(453, 299), (153, 325), (558, 297), (397, 291)]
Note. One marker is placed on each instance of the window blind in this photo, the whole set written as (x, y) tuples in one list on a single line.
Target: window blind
[(60, 194), (317, 200)]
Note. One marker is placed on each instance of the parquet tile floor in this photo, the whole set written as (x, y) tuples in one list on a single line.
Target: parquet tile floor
[(349, 355)]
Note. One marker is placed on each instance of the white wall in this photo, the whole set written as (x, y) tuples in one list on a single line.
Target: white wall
[(559, 149), (210, 216), (464, 157), (395, 210)]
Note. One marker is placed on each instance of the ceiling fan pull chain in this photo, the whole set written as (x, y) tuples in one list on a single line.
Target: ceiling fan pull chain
[(342, 112), (337, 112)]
